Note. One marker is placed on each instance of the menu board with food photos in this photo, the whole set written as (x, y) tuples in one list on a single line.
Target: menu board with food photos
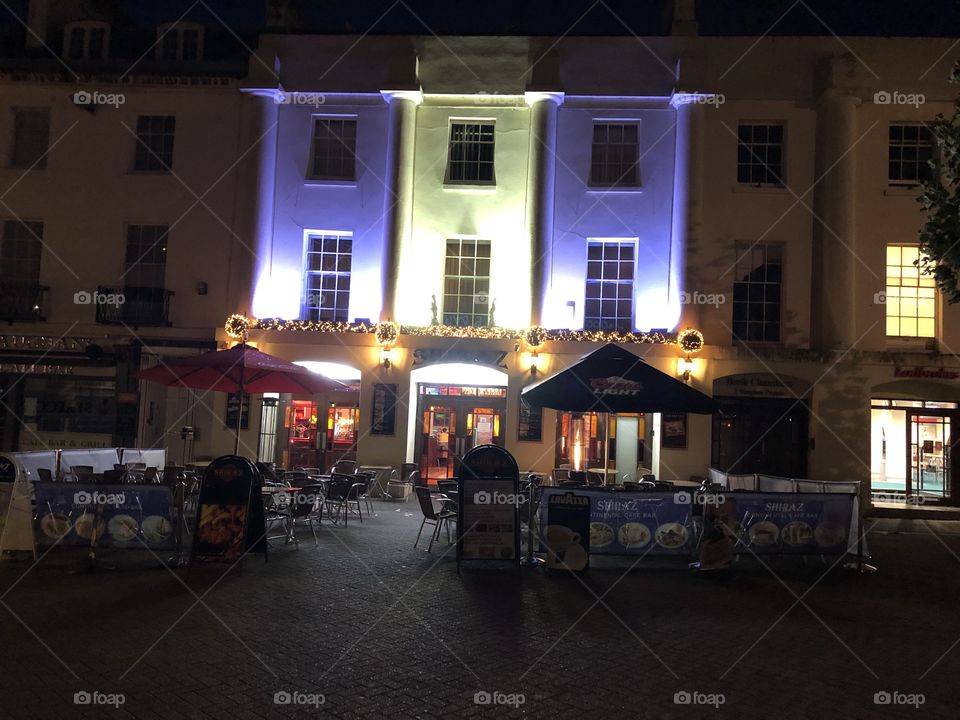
[(121, 516), (230, 520), (793, 523), (634, 523), (488, 519)]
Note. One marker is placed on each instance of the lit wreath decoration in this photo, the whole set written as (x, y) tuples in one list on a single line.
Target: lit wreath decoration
[(535, 336), (237, 325), (690, 340), (387, 332)]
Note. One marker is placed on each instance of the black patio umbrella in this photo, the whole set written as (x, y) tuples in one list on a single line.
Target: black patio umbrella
[(614, 380)]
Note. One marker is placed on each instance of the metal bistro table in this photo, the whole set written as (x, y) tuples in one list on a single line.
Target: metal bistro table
[(383, 472)]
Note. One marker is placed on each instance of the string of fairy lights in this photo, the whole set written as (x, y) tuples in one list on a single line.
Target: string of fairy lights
[(387, 333)]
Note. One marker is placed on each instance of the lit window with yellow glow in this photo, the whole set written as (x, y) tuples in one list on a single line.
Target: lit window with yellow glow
[(911, 299)]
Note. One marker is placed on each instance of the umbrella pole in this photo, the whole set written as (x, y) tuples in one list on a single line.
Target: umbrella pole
[(236, 440), (606, 449)]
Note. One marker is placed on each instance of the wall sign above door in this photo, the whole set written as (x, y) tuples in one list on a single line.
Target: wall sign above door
[(926, 373)]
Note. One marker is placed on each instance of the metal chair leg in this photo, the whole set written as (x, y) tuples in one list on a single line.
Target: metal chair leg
[(433, 535), (420, 531)]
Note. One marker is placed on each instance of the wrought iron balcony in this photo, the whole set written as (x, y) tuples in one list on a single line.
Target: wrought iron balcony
[(22, 301), (131, 305)]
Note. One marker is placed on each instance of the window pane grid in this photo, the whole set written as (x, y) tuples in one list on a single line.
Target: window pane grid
[(760, 154), (334, 149), (909, 150), (327, 277), (757, 292), (154, 152), (911, 297), (608, 303), (471, 154), (31, 137), (20, 252), (466, 283), (146, 258), (615, 155)]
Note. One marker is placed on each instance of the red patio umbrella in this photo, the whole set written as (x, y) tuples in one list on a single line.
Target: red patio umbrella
[(238, 370)]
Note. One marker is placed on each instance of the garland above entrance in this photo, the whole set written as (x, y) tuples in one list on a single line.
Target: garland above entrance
[(688, 340)]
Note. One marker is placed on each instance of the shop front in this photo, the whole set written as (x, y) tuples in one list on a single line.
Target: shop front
[(913, 438), (762, 426)]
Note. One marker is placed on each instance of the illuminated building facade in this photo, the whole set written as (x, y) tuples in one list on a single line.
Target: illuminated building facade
[(410, 211)]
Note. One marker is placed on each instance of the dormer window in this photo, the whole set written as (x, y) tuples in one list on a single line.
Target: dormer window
[(180, 41), (86, 41)]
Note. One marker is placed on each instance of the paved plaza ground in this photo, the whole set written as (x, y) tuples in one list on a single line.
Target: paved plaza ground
[(372, 627)]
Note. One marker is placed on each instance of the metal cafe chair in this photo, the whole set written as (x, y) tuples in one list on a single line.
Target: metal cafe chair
[(45, 475), (82, 473), (341, 492), (438, 510), (344, 467), (369, 478), (302, 507)]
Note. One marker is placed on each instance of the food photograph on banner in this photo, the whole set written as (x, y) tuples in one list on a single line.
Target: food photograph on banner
[(383, 419)]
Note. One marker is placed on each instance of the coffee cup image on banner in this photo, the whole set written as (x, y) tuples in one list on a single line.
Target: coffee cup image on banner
[(565, 549)]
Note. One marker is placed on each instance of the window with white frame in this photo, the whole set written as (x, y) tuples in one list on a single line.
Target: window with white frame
[(31, 137), (146, 256), (911, 295), (760, 154), (329, 257), (615, 155), (609, 287), (757, 291), (20, 251), (179, 41), (86, 40), (466, 283), (909, 151), (154, 149), (333, 148), (470, 154)]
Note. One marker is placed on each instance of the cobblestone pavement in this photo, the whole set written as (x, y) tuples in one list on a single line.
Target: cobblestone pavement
[(376, 628)]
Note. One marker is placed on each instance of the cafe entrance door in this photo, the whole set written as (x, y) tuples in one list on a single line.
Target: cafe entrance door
[(452, 419)]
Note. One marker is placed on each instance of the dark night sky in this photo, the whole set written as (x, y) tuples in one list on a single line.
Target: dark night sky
[(934, 18)]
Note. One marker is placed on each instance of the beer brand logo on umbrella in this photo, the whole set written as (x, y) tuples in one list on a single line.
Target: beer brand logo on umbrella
[(615, 386)]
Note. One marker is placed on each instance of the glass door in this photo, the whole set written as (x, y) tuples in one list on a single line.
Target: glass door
[(439, 442), (482, 427), (930, 440)]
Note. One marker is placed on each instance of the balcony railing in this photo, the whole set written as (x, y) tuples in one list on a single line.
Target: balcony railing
[(131, 305), (22, 301)]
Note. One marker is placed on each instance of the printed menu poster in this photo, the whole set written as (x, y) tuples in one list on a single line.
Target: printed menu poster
[(122, 516), (229, 511), (791, 523), (635, 523), (489, 527), (568, 534)]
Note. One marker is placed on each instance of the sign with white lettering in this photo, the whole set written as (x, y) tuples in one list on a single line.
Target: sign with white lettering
[(760, 385)]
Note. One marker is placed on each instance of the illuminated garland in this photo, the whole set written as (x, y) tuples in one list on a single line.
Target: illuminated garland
[(387, 333)]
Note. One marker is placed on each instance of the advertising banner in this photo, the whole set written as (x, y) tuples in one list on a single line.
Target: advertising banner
[(488, 517), (623, 523), (792, 523), (568, 534), (230, 517), (124, 516)]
